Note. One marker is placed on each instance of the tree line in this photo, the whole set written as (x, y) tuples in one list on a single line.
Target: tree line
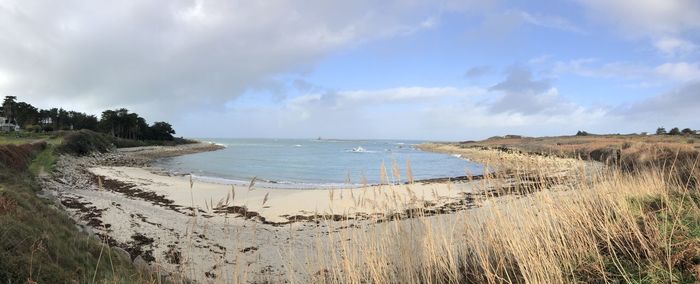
[(674, 131), (119, 122)]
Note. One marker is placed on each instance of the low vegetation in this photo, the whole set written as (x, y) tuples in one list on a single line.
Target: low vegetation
[(635, 221), (39, 243), (608, 226)]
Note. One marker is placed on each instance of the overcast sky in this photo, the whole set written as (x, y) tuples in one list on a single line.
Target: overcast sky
[(439, 70)]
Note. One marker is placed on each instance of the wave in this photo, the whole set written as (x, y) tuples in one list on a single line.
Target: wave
[(216, 143)]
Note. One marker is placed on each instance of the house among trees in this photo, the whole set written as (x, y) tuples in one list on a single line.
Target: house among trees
[(7, 125), (7, 120)]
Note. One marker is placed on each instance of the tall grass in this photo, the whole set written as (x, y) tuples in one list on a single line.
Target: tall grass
[(594, 227)]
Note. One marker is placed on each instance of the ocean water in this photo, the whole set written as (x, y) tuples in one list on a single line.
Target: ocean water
[(311, 163)]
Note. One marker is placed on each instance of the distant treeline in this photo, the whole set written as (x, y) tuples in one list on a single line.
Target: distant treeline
[(118, 123), (659, 131)]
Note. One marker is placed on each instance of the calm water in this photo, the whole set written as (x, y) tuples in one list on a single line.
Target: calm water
[(313, 163)]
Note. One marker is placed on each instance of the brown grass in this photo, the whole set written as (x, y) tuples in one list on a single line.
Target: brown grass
[(609, 226), (18, 157)]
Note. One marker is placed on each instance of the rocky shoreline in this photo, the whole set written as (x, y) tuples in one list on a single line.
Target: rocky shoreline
[(71, 178)]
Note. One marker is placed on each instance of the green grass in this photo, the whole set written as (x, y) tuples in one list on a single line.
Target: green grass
[(39, 243), (678, 220), (28, 137), (44, 161)]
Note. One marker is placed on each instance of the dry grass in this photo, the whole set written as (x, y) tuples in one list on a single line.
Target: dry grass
[(602, 227), (540, 219)]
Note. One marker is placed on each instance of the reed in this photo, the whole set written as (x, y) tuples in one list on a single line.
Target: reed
[(597, 226)]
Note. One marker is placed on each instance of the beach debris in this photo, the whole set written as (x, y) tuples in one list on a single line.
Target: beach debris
[(249, 249)]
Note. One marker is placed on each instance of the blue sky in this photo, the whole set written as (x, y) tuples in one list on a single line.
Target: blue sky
[(441, 70)]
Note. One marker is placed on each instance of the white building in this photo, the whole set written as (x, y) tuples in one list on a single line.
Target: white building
[(6, 125)]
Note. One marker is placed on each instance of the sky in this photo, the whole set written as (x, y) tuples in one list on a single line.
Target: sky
[(414, 69)]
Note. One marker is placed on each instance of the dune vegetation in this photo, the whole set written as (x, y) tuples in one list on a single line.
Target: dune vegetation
[(606, 225), (633, 217)]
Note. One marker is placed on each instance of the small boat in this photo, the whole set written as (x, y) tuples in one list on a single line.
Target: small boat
[(359, 149)]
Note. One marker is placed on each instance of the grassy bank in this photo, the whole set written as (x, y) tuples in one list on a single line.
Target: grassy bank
[(38, 242)]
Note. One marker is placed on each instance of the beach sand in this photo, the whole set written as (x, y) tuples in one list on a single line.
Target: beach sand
[(282, 205), (208, 232), (190, 230)]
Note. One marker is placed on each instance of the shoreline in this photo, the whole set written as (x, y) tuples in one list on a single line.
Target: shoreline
[(153, 216), (148, 213)]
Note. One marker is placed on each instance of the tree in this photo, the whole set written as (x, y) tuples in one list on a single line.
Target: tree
[(687, 131), (26, 114), (8, 107), (674, 131), (661, 131), (162, 131), (581, 133)]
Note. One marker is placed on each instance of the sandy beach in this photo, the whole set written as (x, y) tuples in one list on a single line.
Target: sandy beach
[(208, 231), (280, 206)]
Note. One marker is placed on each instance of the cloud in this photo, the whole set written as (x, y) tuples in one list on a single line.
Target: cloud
[(519, 80), (162, 56), (526, 95), (477, 71), (676, 106), (680, 71), (663, 22), (445, 113), (335, 100), (591, 67), (647, 17), (551, 22), (674, 46), (665, 72)]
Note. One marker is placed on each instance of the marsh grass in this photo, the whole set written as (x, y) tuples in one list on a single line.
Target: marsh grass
[(604, 226)]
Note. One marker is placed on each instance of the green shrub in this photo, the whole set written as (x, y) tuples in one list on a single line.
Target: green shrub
[(84, 142)]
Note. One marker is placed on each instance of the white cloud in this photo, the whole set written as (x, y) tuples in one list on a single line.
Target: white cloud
[(157, 56), (446, 113), (332, 100), (663, 22), (591, 67), (647, 17), (549, 21), (674, 46), (680, 71), (645, 74)]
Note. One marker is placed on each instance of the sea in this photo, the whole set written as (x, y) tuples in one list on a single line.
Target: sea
[(316, 163)]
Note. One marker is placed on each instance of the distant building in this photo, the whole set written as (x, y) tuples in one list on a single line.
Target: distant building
[(7, 125)]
